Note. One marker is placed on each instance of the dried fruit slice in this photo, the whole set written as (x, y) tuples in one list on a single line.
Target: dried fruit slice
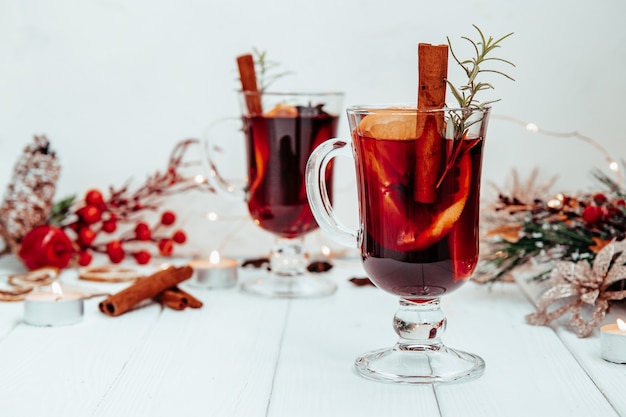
[(398, 124)]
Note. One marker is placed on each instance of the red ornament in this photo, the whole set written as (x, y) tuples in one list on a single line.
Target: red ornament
[(46, 246)]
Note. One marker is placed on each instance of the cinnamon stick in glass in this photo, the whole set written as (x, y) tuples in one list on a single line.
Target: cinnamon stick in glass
[(432, 73), (144, 289), (247, 75)]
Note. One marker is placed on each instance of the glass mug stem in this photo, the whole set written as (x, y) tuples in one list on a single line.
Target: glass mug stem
[(288, 257)]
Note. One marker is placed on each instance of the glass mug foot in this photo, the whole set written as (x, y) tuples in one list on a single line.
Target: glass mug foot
[(419, 365), (289, 277), (302, 286), (419, 357)]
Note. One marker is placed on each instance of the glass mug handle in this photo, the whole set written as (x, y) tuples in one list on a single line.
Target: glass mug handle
[(317, 193), (222, 128)]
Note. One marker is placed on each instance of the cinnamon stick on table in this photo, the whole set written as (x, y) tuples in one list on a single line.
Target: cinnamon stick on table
[(432, 72), (177, 299), (247, 75), (144, 289)]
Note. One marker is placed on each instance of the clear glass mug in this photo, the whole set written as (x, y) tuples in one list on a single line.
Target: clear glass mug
[(418, 184), (280, 131)]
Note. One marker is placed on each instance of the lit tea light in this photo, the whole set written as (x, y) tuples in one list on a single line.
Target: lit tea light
[(53, 308), (613, 341), (215, 272)]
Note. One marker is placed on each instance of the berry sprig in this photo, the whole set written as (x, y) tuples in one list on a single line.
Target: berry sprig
[(115, 226), (97, 217)]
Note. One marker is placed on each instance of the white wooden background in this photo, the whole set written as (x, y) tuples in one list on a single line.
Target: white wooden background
[(245, 356)]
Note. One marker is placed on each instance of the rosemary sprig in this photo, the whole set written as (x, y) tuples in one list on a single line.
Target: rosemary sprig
[(473, 67), (265, 68), (466, 94)]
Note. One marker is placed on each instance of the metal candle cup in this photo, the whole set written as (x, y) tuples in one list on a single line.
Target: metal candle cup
[(613, 342), (43, 308), (215, 272)]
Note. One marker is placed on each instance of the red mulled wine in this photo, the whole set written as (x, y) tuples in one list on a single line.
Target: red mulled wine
[(410, 248), (278, 150)]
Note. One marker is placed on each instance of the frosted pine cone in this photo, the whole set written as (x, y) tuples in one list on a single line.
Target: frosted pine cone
[(29, 197)]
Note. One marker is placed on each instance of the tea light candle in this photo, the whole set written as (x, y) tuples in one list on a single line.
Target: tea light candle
[(613, 341), (214, 272), (53, 308)]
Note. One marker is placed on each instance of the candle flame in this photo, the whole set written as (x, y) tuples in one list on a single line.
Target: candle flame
[(214, 258), (57, 290), (325, 250), (621, 324)]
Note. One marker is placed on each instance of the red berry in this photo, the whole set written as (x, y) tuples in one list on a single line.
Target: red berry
[(179, 237), (166, 247), (46, 246), (142, 257), (168, 218), (592, 214), (94, 198), (620, 202), (142, 231), (599, 198), (109, 226), (89, 214), (115, 251), (84, 258), (86, 236), (114, 245)]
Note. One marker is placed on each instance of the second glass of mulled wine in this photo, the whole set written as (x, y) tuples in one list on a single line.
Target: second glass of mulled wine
[(280, 132)]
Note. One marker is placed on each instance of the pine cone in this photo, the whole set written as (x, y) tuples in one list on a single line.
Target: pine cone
[(29, 197)]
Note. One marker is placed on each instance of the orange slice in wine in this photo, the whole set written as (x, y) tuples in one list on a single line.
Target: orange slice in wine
[(431, 224), (283, 110), (389, 124)]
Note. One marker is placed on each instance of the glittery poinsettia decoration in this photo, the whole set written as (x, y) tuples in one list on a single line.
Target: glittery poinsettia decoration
[(582, 285), (529, 229)]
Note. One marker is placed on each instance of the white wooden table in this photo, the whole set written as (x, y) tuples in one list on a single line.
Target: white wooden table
[(245, 356)]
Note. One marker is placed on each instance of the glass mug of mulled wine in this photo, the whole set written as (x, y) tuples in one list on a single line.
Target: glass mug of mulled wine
[(280, 131), (418, 185)]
